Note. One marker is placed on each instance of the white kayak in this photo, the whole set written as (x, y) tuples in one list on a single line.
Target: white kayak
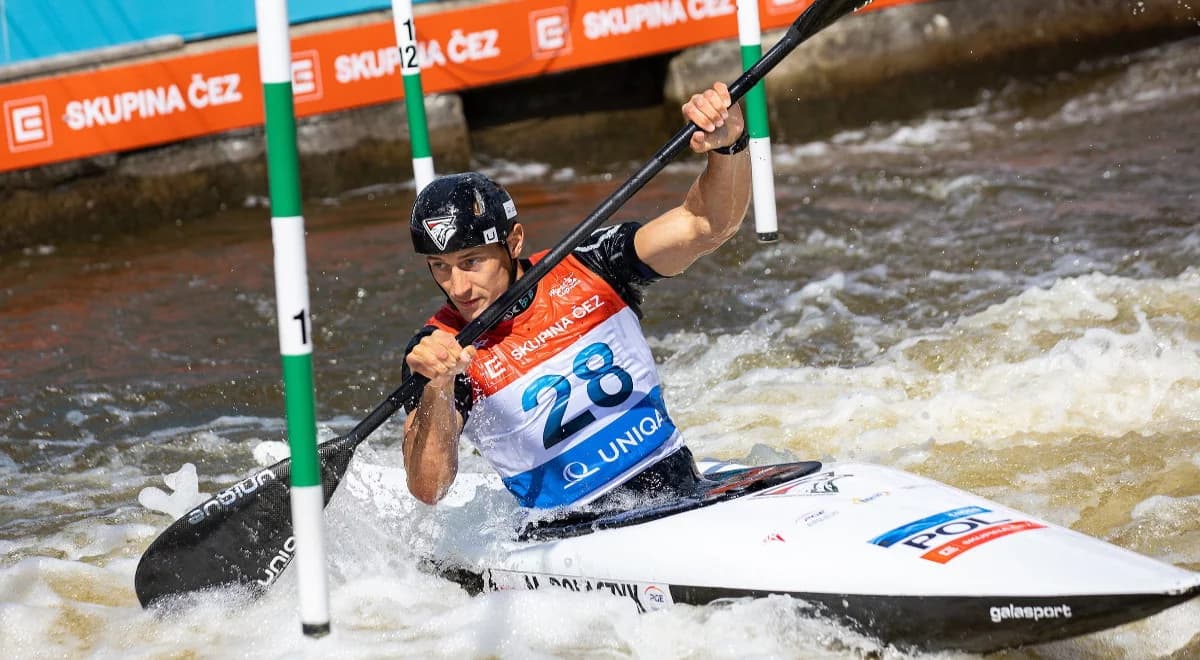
[(905, 559)]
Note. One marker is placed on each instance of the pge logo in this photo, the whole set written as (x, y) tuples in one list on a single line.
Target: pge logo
[(306, 76), (655, 596), (944, 536), (28, 123), (550, 32)]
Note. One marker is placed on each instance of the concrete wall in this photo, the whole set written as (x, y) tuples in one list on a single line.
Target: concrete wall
[(884, 64), (124, 192)]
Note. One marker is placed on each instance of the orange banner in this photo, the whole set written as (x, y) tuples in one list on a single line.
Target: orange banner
[(127, 107)]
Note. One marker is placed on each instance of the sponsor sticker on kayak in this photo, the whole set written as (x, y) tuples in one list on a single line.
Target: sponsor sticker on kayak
[(823, 483), (816, 517), (1013, 612), (647, 596), (946, 535)]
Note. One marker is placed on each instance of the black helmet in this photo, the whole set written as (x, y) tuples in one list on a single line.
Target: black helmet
[(460, 211)]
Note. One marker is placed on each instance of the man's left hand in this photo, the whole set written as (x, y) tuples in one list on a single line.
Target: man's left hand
[(720, 120)]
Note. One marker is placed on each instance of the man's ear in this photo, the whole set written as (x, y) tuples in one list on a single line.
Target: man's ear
[(516, 240)]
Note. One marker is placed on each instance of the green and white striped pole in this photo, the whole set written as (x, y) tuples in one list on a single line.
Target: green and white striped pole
[(295, 322), (762, 171), (414, 96)]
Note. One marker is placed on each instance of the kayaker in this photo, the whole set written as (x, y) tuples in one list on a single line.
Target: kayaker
[(562, 397)]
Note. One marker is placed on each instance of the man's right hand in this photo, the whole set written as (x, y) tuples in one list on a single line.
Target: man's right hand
[(439, 358)]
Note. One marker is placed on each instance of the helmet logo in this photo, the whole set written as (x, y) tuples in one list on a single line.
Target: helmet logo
[(480, 207), (440, 230)]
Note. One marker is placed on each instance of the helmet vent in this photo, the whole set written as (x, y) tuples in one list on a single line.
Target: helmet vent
[(479, 208)]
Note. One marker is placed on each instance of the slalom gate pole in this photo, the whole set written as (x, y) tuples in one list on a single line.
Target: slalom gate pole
[(414, 96), (762, 171), (294, 316)]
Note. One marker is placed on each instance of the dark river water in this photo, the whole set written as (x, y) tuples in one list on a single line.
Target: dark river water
[(1004, 297)]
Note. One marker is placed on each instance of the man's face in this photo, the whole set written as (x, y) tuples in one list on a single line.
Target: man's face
[(472, 278)]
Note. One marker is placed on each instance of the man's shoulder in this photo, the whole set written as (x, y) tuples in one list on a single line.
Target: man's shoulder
[(612, 237), (610, 253)]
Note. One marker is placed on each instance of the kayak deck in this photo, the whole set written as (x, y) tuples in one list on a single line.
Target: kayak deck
[(709, 490)]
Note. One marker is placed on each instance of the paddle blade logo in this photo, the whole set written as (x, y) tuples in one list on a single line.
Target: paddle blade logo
[(440, 230)]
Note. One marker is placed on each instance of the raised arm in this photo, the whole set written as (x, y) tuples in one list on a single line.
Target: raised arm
[(716, 204)]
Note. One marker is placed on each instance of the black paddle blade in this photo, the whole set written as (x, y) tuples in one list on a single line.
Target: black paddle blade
[(240, 536)]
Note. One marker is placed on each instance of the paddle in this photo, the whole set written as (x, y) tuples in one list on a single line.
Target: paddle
[(243, 534)]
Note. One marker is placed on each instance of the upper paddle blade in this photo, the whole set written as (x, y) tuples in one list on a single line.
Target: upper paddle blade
[(240, 536)]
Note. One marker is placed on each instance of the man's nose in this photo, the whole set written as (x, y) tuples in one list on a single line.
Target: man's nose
[(459, 284)]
